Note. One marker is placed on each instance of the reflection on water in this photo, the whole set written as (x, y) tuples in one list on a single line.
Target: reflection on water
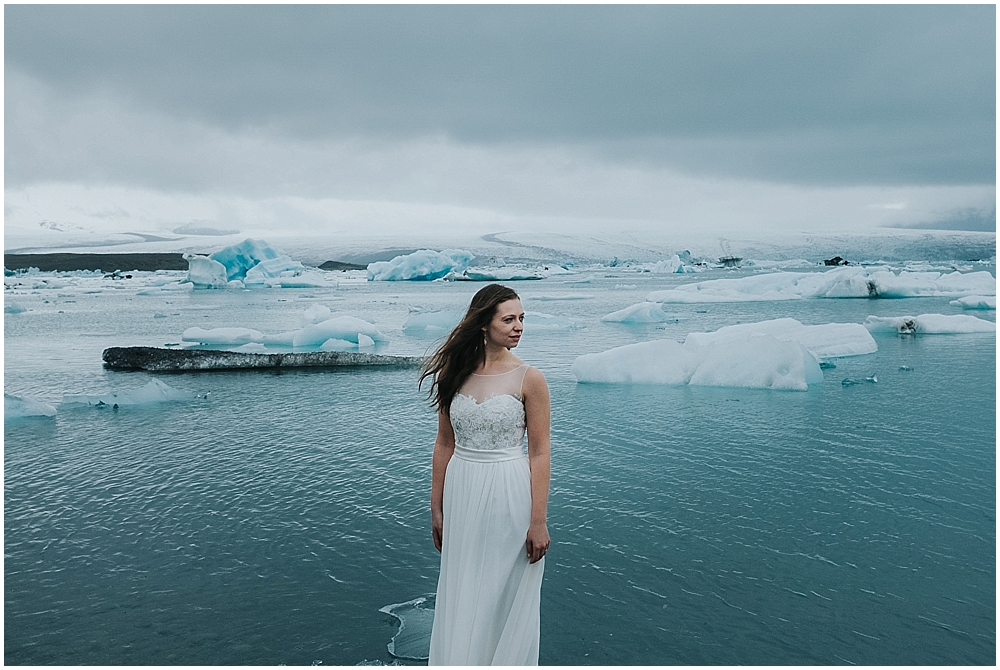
[(271, 520)]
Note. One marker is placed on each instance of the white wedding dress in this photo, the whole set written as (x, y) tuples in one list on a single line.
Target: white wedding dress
[(488, 595)]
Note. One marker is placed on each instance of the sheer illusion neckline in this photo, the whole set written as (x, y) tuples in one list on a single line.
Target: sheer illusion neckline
[(498, 374)]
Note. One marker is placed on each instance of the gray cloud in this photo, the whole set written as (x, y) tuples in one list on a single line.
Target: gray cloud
[(800, 94)]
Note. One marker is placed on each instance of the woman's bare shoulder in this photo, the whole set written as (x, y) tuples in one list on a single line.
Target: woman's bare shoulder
[(534, 381)]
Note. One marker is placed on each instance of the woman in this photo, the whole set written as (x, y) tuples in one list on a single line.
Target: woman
[(488, 500)]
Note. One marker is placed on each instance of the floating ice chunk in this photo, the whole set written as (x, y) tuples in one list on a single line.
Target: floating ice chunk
[(432, 322), (335, 344), (13, 308), (424, 264), (760, 361), (540, 321), (272, 268), (340, 327), (165, 289), (831, 340), (568, 296), (413, 639), (643, 312), (673, 265), (17, 407), (315, 314), (238, 259), (365, 341), (308, 279), (843, 282), (153, 392), (930, 324), (497, 274), (976, 302), (205, 272), (222, 335)]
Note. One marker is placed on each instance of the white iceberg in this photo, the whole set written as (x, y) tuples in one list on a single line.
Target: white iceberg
[(204, 272), (424, 264), (976, 302), (13, 308), (273, 268), (497, 274), (541, 321), (930, 324), (316, 314), (152, 393), (673, 265), (830, 340), (340, 327), (844, 282), (760, 361), (17, 407), (643, 312), (432, 322), (231, 336)]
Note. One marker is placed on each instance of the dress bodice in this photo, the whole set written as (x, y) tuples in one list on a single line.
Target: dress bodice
[(488, 412)]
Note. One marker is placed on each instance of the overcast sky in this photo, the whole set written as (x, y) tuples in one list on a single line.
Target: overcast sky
[(324, 118)]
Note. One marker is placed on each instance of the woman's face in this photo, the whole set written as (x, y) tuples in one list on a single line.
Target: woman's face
[(508, 322)]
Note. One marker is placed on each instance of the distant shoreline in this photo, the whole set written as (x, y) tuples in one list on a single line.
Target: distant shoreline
[(148, 261)]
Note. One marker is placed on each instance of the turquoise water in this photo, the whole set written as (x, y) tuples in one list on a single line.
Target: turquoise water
[(270, 521)]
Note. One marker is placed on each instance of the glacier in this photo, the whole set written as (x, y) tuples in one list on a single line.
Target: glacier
[(422, 265)]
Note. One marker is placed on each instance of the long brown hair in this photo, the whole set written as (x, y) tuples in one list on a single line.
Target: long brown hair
[(465, 348)]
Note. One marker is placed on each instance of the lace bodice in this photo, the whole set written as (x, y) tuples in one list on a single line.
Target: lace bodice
[(487, 413)]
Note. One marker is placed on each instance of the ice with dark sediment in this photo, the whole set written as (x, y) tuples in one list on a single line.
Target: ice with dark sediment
[(20, 407), (421, 265), (930, 324), (845, 282)]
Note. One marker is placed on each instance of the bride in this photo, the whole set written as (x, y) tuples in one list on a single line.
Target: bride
[(488, 499)]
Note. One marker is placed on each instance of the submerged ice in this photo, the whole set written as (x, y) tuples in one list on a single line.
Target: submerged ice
[(152, 393), (19, 407)]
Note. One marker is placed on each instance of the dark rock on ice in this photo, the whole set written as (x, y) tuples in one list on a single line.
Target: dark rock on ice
[(836, 260), (340, 265), (154, 359)]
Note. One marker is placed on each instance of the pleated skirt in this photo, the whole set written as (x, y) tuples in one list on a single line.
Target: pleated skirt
[(486, 611)]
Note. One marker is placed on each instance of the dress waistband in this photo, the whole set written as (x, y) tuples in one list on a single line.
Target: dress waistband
[(489, 455)]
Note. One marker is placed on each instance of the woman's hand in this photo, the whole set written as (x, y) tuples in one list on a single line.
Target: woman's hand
[(437, 528), (537, 542)]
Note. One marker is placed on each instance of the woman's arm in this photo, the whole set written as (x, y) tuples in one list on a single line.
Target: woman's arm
[(444, 447), (536, 408)]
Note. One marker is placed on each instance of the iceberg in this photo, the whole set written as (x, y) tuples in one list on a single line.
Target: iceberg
[(152, 393), (231, 336), (541, 321), (340, 327), (759, 361), (432, 322), (316, 314), (643, 312), (496, 274), (976, 302), (13, 308), (204, 272), (831, 340), (930, 324), (674, 264), (17, 407), (842, 282), (424, 265), (239, 259)]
